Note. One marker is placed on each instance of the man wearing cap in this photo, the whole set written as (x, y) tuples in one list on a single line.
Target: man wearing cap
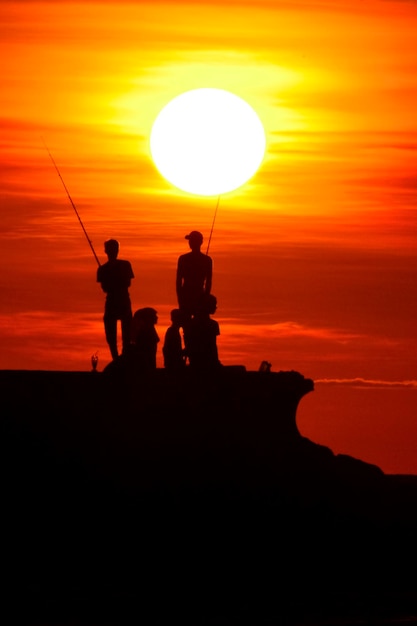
[(194, 275)]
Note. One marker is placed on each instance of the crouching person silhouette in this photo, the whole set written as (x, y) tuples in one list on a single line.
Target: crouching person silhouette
[(144, 339), (201, 334)]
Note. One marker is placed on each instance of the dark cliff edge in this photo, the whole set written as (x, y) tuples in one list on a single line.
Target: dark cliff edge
[(195, 495)]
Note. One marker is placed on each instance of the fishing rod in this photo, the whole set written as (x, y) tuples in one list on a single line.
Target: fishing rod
[(73, 205), (212, 225)]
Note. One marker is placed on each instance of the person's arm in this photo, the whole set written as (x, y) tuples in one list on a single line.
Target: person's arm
[(178, 280), (209, 276), (129, 274), (131, 271), (101, 278)]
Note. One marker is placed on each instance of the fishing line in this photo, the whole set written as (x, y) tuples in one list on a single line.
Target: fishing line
[(212, 225), (72, 203)]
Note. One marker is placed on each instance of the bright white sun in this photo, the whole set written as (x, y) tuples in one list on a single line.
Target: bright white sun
[(207, 142)]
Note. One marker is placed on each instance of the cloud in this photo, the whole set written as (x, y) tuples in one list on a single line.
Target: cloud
[(286, 329), (47, 340), (364, 383)]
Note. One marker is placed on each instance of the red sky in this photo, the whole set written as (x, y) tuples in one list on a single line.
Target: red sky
[(314, 258)]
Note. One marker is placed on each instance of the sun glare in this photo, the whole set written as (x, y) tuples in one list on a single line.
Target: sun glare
[(207, 142)]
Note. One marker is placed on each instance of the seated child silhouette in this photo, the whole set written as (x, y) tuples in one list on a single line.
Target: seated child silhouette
[(201, 334), (172, 350)]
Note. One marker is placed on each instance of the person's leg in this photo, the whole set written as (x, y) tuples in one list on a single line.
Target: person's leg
[(110, 328), (186, 322), (126, 331)]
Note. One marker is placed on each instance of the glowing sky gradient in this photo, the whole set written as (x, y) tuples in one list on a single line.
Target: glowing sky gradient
[(314, 259)]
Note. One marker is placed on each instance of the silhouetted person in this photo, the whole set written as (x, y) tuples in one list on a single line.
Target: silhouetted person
[(172, 350), (265, 366), (194, 275), (145, 339), (115, 277), (201, 336)]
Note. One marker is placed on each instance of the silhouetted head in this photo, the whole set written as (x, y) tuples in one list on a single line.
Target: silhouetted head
[(147, 315), (211, 303), (195, 239), (207, 304), (111, 248), (176, 317)]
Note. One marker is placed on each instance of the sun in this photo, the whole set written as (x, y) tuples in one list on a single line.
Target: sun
[(207, 142)]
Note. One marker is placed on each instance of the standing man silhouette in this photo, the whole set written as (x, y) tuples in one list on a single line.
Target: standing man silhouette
[(115, 277), (194, 275)]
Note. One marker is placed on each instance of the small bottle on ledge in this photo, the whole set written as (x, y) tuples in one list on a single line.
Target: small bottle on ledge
[(265, 366), (94, 362)]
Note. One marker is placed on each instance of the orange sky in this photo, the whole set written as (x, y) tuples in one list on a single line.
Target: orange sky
[(314, 258)]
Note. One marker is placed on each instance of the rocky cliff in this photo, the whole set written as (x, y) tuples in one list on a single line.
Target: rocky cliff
[(191, 492)]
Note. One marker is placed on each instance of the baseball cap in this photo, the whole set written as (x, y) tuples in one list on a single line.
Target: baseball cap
[(194, 234)]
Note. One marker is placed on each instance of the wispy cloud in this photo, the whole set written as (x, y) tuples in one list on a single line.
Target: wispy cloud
[(288, 329), (363, 383)]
